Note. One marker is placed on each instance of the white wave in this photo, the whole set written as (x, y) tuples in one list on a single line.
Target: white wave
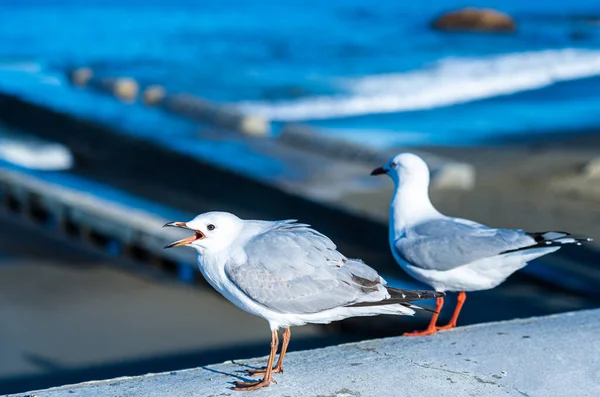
[(29, 152), (30, 70), (447, 82)]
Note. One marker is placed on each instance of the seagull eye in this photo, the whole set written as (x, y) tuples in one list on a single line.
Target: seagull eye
[(394, 165), (210, 227)]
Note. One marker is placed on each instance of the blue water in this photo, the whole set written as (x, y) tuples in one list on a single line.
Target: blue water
[(368, 71)]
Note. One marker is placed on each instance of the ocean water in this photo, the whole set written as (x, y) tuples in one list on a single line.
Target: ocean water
[(373, 72)]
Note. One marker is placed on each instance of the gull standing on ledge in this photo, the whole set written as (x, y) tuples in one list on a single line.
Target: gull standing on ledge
[(288, 274), (453, 254)]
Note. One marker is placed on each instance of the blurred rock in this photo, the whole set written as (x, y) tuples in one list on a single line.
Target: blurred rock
[(453, 175), (256, 126), (592, 20), (153, 95), (579, 35), (475, 20), (124, 88), (81, 76), (592, 169)]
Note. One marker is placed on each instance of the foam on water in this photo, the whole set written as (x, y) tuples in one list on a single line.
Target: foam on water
[(33, 153), (29, 71), (446, 82), (33, 156)]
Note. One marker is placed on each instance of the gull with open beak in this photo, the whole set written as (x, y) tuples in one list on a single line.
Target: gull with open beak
[(453, 254), (290, 275)]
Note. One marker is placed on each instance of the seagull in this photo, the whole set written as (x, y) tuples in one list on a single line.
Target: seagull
[(453, 254), (290, 275)]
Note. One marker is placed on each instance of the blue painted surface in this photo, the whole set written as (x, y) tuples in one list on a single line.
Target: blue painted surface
[(186, 273), (51, 222), (113, 247), (565, 279)]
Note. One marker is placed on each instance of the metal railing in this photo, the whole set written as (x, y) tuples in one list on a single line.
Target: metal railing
[(113, 227)]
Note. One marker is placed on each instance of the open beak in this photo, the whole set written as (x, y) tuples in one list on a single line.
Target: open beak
[(198, 235), (379, 171)]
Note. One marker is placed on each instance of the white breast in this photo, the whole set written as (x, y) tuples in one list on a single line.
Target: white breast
[(213, 270)]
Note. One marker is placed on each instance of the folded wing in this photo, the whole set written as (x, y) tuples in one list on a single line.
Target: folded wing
[(292, 268), (445, 244)]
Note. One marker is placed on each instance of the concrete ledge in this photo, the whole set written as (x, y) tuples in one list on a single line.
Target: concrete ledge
[(546, 356)]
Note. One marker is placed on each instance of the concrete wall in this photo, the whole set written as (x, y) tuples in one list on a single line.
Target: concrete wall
[(546, 356)]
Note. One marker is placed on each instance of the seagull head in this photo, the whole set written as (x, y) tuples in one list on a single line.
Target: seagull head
[(405, 168), (213, 231)]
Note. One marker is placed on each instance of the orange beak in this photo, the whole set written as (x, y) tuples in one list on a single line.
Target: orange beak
[(198, 235)]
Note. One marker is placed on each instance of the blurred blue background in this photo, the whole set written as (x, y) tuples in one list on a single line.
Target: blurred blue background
[(359, 69)]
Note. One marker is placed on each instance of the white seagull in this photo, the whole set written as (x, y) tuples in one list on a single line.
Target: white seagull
[(453, 254), (288, 274)]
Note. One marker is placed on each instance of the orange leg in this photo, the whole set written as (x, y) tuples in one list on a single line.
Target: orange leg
[(266, 381), (462, 297), (431, 329), (287, 334)]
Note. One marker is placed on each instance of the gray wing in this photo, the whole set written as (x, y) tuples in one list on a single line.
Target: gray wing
[(294, 269), (444, 244)]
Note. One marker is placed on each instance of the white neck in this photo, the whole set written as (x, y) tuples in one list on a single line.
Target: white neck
[(212, 266), (410, 206)]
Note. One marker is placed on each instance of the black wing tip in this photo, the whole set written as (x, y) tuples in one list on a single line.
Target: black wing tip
[(403, 297), (558, 242), (413, 295)]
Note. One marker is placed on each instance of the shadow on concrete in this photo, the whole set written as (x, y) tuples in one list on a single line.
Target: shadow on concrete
[(59, 375)]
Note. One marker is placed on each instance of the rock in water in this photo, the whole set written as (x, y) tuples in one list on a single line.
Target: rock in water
[(475, 20)]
